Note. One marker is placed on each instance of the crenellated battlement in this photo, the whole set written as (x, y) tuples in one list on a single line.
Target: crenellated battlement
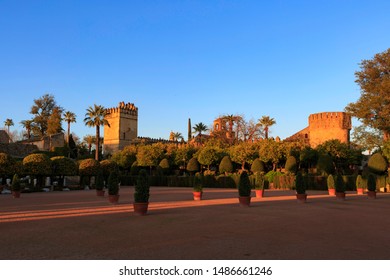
[(341, 120), (125, 108)]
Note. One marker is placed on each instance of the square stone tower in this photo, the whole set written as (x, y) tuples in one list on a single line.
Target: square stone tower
[(123, 127)]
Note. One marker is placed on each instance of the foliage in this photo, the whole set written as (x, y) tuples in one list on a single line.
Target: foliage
[(107, 167), (367, 139), (377, 164), (259, 181), (270, 176), (359, 182), (330, 182), (6, 164), (63, 166), (325, 165), (183, 154), (99, 182), (244, 185), (209, 155), (270, 151), (300, 184), (96, 117), (15, 185), (339, 184), (197, 183), (37, 164), (291, 165), (226, 165), (258, 166), (266, 122), (142, 188), (89, 167), (126, 157), (54, 121), (149, 155), (199, 128), (308, 157), (371, 182), (42, 110), (165, 166), (373, 106), (243, 153), (113, 183)]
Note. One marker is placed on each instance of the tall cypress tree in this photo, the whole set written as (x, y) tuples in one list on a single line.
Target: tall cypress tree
[(189, 130)]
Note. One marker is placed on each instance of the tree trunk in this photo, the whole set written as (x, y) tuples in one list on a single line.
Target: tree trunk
[(97, 142)]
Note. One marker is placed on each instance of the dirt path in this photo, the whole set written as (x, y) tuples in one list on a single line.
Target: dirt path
[(80, 225)]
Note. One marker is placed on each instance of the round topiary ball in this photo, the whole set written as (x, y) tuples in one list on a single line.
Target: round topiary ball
[(226, 165), (377, 164), (258, 166), (193, 165)]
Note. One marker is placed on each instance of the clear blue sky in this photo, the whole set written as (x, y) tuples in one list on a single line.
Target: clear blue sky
[(188, 59)]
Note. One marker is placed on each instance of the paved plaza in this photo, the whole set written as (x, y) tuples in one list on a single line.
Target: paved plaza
[(80, 225)]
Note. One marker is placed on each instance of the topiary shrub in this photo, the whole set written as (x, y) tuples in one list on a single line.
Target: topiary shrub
[(244, 185), (258, 166), (197, 183), (113, 183), (142, 188), (226, 165), (165, 166), (339, 184), (330, 182), (291, 165), (377, 164), (300, 184), (371, 182), (106, 167), (63, 166), (359, 182), (259, 181), (193, 166), (15, 185), (38, 166), (325, 165), (99, 182), (87, 169)]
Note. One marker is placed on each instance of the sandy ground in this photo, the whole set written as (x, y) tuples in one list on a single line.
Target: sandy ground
[(79, 225)]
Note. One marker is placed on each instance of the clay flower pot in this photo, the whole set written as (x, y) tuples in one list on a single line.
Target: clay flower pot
[(100, 192), (245, 201), (371, 194), (301, 197), (113, 199), (197, 195), (259, 193), (360, 191), (332, 191), (140, 208)]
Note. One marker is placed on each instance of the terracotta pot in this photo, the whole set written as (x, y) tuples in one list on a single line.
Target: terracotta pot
[(332, 191), (340, 195), (259, 193), (245, 201), (360, 191), (113, 198), (16, 194), (197, 195), (371, 194), (100, 192), (301, 197), (140, 208)]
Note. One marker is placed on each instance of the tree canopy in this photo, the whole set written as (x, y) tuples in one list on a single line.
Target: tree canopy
[(373, 106)]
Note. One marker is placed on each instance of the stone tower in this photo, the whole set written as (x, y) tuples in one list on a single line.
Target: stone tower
[(123, 128), (328, 126)]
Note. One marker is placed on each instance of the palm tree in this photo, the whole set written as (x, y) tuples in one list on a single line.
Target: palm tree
[(266, 122), (199, 128), (177, 136), (8, 123), (89, 140), (69, 117), (28, 125), (96, 117)]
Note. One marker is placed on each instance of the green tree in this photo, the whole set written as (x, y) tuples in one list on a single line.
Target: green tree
[(209, 155), (39, 166), (367, 139), (291, 165), (226, 165), (193, 165), (54, 121), (149, 155), (270, 151), (258, 166), (42, 109), (63, 166), (177, 136), (28, 126), (89, 141), (373, 106), (199, 128), (266, 122), (8, 123), (243, 153), (96, 117), (125, 158)]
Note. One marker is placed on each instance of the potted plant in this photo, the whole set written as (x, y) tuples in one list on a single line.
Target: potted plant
[(141, 193), (113, 187), (340, 187), (371, 186), (99, 185), (331, 185), (259, 184), (244, 190), (359, 185), (300, 188), (197, 187), (15, 186)]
